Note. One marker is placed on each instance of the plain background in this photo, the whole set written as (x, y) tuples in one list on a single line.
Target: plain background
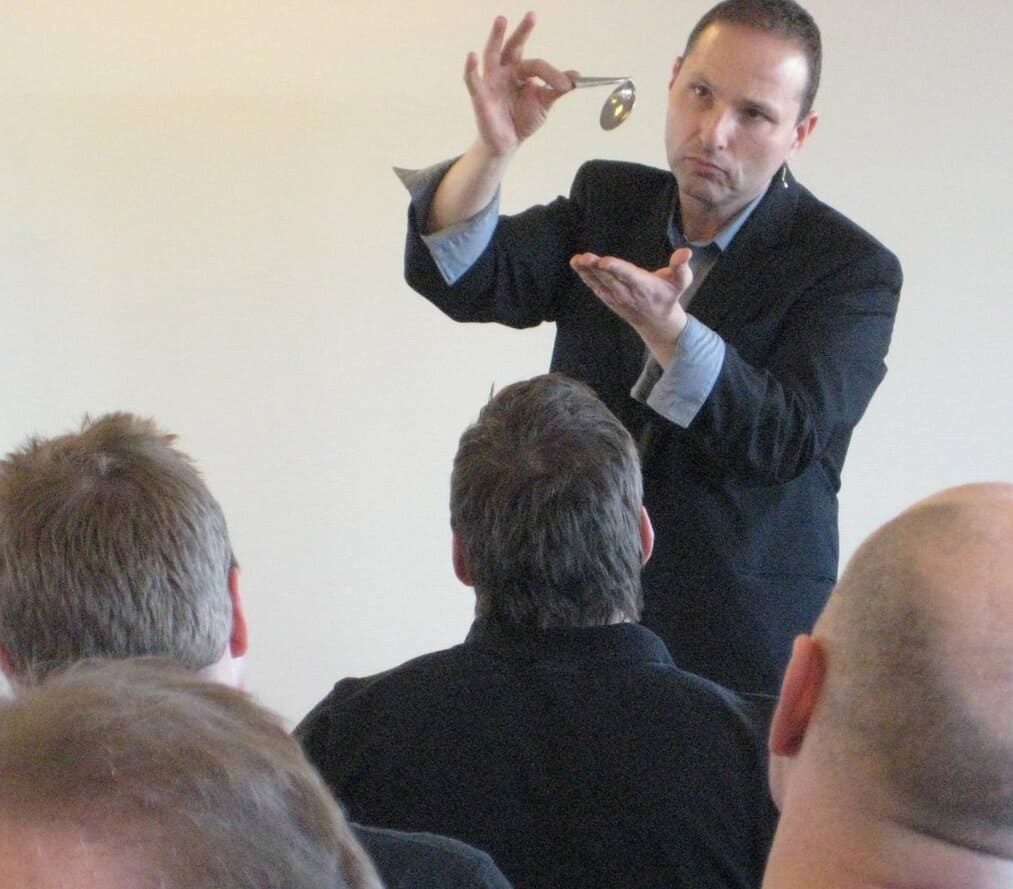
[(199, 222)]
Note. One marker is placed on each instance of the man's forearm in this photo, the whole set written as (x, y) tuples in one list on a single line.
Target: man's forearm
[(467, 188)]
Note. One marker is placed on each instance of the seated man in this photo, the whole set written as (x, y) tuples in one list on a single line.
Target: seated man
[(111, 545), (893, 738), (560, 736), (130, 774)]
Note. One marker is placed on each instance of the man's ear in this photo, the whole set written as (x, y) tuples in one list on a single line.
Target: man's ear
[(675, 71), (803, 130), (803, 684), (646, 535), (460, 558), (239, 639), (7, 664)]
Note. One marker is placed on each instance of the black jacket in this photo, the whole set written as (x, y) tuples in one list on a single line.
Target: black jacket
[(575, 758), (744, 500)]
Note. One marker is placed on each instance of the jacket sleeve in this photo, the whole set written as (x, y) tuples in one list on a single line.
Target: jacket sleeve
[(520, 280), (777, 408)]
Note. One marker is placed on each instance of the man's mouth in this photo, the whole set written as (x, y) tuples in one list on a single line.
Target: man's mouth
[(704, 167)]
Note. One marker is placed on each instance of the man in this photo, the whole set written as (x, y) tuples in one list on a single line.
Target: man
[(734, 323), (111, 545), (560, 737), (125, 775), (892, 741)]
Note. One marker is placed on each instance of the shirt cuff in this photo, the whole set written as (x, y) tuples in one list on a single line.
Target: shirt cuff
[(456, 248), (679, 391)]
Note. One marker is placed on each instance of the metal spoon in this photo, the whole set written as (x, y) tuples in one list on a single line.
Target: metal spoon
[(619, 103)]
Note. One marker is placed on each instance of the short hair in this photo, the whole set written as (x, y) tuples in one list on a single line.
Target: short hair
[(188, 784), (110, 545), (545, 499), (781, 18), (922, 692)]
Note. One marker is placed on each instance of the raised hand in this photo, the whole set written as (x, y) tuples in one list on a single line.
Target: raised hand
[(647, 301), (511, 95)]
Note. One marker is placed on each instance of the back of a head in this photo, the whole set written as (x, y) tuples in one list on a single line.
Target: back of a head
[(110, 545), (546, 502), (164, 781), (781, 18), (919, 688)]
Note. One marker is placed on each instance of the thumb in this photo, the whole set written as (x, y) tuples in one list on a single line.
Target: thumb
[(681, 275)]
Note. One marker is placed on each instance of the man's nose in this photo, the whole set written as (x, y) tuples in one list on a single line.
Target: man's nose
[(715, 128)]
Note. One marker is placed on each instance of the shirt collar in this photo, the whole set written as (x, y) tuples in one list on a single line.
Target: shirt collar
[(723, 238)]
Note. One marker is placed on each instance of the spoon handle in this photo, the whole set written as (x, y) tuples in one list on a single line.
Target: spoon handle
[(579, 82)]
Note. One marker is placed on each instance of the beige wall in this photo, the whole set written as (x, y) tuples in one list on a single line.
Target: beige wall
[(198, 222)]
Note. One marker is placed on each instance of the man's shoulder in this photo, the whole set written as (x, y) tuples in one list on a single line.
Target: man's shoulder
[(623, 171), (420, 860), (387, 689), (749, 714), (621, 176), (818, 222), (432, 667)]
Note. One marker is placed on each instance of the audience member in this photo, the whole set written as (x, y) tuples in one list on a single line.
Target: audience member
[(134, 774), (111, 545), (893, 738), (560, 736)]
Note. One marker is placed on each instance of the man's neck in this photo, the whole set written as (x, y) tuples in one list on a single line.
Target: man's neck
[(702, 223), (824, 847)]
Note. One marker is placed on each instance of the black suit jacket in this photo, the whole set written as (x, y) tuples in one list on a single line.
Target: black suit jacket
[(744, 500), (427, 860), (577, 758)]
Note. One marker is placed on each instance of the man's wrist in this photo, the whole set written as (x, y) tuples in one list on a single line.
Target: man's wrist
[(662, 343)]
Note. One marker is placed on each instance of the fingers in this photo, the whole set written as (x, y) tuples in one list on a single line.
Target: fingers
[(608, 268), (494, 45), (513, 49), (472, 79), (600, 275), (559, 81)]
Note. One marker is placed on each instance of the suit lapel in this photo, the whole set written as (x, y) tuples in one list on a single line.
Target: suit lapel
[(648, 246), (734, 276)]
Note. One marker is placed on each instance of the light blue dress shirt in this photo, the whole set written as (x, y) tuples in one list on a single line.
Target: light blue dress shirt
[(677, 391)]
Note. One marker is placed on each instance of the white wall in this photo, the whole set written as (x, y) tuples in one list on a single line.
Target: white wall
[(198, 222)]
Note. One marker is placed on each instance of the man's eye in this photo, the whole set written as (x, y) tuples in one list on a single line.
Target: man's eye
[(699, 91)]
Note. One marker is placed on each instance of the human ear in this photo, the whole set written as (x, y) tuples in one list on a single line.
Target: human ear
[(646, 535), (460, 558), (675, 71), (803, 130), (239, 639), (800, 692)]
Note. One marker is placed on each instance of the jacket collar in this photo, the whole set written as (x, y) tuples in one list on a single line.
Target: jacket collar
[(766, 230), (626, 642)]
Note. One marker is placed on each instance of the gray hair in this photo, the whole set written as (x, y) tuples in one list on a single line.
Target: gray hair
[(184, 784), (110, 545), (545, 499)]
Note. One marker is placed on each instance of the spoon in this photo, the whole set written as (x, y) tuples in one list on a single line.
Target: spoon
[(619, 103)]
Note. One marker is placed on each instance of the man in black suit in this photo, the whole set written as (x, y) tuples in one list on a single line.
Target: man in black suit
[(560, 736), (737, 325)]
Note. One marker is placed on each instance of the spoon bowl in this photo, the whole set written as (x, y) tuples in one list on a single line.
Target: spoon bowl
[(619, 103)]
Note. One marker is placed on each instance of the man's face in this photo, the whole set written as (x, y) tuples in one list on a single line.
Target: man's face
[(733, 106)]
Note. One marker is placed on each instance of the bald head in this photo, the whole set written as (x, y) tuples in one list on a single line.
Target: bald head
[(918, 638)]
